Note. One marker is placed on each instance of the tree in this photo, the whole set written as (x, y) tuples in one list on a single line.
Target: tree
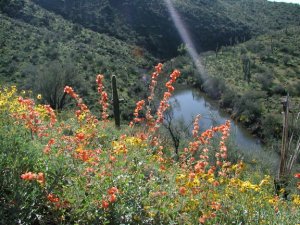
[(50, 79), (11, 7)]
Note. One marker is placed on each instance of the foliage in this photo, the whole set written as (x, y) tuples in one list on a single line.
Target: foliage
[(147, 23), (37, 41), (84, 171), (271, 77)]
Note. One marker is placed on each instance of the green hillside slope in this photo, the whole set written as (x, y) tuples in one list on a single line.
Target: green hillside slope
[(34, 41), (211, 23), (255, 100)]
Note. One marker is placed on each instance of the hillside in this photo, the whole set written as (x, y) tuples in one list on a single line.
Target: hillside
[(63, 160), (147, 23), (255, 100), (79, 39), (34, 42)]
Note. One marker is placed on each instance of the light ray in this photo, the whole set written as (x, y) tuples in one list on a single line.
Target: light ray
[(183, 32)]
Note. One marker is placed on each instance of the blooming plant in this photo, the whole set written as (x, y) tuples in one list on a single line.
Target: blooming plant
[(88, 173)]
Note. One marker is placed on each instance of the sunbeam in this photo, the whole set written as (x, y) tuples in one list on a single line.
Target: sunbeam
[(183, 32)]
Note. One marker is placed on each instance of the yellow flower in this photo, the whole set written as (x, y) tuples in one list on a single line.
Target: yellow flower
[(296, 199), (180, 177), (39, 96), (196, 182)]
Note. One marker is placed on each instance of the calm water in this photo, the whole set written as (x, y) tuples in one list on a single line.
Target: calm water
[(190, 102)]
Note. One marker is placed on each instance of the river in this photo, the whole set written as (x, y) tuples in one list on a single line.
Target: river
[(190, 102)]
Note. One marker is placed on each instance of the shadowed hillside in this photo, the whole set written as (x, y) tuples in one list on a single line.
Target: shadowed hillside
[(147, 23)]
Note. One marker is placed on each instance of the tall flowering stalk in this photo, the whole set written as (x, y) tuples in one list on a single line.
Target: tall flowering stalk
[(139, 107), (51, 114), (104, 97), (164, 105), (149, 118), (31, 117)]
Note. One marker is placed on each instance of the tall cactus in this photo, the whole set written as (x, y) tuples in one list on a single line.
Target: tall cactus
[(246, 68), (116, 101)]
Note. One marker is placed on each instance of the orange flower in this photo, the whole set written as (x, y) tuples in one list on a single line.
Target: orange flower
[(80, 136), (52, 198), (112, 158), (297, 175), (182, 190), (105, 204), (112, 198), (113, 190), (202, 219), (41, 178), (215, 205), (28, 176), (158, 68)]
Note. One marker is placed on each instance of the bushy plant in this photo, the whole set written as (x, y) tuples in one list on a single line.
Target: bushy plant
[(84, 171)]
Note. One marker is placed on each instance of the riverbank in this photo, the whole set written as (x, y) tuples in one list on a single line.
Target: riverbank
[(190, 102)]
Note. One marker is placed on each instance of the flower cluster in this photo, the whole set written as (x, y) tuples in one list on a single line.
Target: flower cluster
[(139, 107), (110, 198), (104, 97), (130, 176), (40, 177)]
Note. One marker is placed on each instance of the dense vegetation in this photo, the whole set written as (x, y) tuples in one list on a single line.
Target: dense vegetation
[(62, 161), (40, 50), (211, 23), (254, 98), (80, 170)]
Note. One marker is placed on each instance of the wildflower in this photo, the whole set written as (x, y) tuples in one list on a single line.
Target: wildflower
[(52, 198), (297, 175), (203, 219), (182, 190), (105, 204), (39, 96), (215, 205), (104, 97), (29, 176), (112, 190), (40, 178), (158, 68), (296, 199), (196, 126), (112, 198), (80, 136), (139, 107), (112, 158)]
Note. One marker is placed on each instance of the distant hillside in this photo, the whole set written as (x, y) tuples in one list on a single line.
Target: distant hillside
[(254, 99), (212, 23), (35, 43)]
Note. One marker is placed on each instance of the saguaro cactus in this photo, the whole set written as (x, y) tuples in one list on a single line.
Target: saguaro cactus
[(116, 101), (246, 68)]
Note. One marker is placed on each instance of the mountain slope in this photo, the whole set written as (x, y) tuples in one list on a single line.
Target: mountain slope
[(274, 61), (35, 36), (147, 23)]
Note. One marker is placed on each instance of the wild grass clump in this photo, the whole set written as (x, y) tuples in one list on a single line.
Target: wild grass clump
[(81, 170)]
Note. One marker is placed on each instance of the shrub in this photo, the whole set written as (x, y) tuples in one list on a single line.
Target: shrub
[(96, 174)]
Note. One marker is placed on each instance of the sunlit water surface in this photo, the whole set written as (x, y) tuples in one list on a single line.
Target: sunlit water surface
[(190, 102)]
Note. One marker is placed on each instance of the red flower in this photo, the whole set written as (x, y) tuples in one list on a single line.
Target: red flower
[(80, 136), (112, 198), (28, 176), (112, 190), (182, 190), (41, 178), (52, 198), (297, 175), (105, 204)]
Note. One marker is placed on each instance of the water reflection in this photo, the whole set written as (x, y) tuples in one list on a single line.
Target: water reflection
[(187, 103)]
